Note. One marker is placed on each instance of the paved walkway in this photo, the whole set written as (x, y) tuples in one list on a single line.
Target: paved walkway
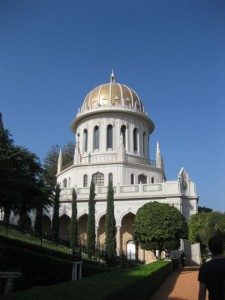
[(182, 284)]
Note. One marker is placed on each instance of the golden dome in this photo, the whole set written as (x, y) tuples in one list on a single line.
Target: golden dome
[(114, 94)]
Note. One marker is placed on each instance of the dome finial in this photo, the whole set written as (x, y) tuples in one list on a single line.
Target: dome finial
[(112, 78)]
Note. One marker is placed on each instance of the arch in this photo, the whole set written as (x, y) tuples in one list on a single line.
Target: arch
[(109, 136), (123, 132), (64, 183), (46, 226), (131, 250), (132, 178), (85, 181), (82, 228), (142, 179), (126, 230), (101, 231), (111, 177), (64, 227), (135, 140), (98, 179), (85, 140), (96, 138)]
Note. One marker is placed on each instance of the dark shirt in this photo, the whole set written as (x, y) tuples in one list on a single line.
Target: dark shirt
[(212, 274)]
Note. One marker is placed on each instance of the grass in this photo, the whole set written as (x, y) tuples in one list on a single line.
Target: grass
[(14, 234)]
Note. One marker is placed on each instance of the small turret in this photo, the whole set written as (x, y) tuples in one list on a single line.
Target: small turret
[(59, 167), (159, 159)]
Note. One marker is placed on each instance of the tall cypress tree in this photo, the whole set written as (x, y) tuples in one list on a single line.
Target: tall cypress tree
[(55, 220), (38, 221), (110, 225), (73, 224), (91, 222)]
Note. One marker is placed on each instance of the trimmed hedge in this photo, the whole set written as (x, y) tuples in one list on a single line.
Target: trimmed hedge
[(138, 283)]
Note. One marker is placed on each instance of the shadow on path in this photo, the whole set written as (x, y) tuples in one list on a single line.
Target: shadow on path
[(182, 284)]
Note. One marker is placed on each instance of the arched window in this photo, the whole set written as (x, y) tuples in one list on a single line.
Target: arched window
[(85, 181), (111, 177), (142, 179), (132, 179), (96, 138), (144, 143), (64, 183), (109, 136), (123, 132), (152, 180), (85, 140), (98, 179), (135, 139)]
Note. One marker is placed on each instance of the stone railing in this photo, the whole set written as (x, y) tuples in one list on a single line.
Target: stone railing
[(135, 190)]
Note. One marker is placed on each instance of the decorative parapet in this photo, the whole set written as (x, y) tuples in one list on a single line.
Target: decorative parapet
[(129, 189), (152, 188), (111, 107)]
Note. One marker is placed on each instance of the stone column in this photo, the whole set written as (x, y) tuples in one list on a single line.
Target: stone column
[(118, 241), (96, 236)]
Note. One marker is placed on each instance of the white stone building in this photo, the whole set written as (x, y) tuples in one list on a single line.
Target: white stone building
[(112, 133)]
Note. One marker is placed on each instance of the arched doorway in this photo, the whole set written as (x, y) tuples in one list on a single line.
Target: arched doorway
[(46, 226), (126, 231), (131, 250), (82, 229), (64, 228), (101, 232)]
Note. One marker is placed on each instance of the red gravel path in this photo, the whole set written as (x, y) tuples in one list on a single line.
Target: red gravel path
[(182, 284)]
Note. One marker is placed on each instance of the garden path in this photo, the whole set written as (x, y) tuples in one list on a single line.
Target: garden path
[(182, 284)]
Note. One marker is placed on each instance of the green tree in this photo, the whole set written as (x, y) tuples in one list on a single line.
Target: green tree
[(158, 226), (91, 222), (51, 161), (50, 166), (203, 225), (204, 209), (20, 172), (55, 220), (195, 227), (73, 224), (110, 225), (44, 200)]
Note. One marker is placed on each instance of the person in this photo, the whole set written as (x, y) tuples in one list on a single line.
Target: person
[(182, 259), (211, 275)]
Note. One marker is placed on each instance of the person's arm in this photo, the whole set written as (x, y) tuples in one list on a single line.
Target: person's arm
[(202, 291)]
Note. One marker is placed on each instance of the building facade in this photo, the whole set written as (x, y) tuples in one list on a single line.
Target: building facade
[(112, 133)]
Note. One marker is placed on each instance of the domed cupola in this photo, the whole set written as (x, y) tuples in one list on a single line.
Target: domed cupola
[(112, 97), (114, 94)]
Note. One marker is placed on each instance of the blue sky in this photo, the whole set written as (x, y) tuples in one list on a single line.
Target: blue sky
[(171, 52)]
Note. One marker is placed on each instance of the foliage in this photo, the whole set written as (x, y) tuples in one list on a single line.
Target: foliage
[(73, 224), (136, 283), (51, 161), (55, 220), (203, 225), (91, 221), (20, 171), (204, 209), (158, 226), (50, 166), (110, 226)]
